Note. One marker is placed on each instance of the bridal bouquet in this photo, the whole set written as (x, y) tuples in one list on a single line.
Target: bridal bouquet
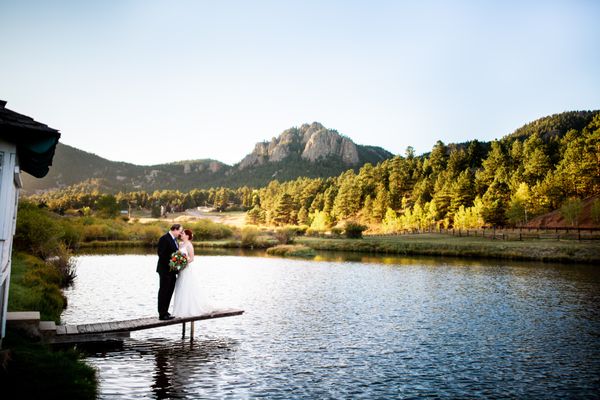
[(178, 261)]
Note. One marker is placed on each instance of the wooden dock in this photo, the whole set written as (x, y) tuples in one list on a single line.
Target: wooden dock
[(109, 331)]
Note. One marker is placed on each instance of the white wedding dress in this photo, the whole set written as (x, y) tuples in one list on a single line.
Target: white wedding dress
[(189, 298)]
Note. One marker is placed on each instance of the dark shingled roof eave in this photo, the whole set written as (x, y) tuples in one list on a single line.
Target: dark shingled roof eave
[(36, 142)]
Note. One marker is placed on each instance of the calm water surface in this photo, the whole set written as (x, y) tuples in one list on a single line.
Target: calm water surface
[(372, 327)]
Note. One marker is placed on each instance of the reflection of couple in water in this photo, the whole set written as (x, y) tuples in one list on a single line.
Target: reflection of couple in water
[(186, 284), (183, 369)]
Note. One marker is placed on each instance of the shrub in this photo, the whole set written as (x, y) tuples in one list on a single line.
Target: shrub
[(155, 212), (95, 232), (595, 210), (571, 210), (105, 230), (301, 230), (149, 234), (65, 265), (205, 229), (297, 250), (107, 206), (314, 232), (250, 236), (37, 231), (72, 235), (285, 235), (336, 232), (354, 230)]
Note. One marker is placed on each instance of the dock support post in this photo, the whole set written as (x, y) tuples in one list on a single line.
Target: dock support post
[(183, 330), (192, 331)]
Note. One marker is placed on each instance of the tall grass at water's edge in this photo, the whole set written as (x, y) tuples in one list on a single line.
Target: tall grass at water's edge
[(443, 245), (421, 244), (30, 368), (291, 250), (35, 286)]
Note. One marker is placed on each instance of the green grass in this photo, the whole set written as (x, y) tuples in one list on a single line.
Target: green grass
[(445, 245), (33, 370), (34, 286), (291, 250)]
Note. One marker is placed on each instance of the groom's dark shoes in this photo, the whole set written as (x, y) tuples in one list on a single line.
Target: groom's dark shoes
[(166, 317)]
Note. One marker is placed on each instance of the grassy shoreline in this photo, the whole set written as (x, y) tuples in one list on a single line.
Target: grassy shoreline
[(425, 244), (31, 368), (470, 247)]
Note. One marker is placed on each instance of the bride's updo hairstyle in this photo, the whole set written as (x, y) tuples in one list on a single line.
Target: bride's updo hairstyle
[(189, 233)]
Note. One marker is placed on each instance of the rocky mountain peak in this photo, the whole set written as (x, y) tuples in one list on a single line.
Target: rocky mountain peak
[(310, 142)]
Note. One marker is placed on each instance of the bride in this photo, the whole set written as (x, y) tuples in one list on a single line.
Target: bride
[(189, 301)]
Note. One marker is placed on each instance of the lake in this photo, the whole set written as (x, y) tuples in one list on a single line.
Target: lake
[(351, 326)]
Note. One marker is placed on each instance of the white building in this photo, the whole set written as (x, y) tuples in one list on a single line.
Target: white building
[(25, 145)]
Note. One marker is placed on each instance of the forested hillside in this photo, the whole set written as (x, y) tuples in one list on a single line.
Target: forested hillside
[(309, 150), (538, 168)]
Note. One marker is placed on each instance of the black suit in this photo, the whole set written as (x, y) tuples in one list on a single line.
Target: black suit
[(166, 247)]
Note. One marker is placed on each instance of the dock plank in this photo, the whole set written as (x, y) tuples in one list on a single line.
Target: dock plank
[(89, 338), (72, 329), (101, 328)]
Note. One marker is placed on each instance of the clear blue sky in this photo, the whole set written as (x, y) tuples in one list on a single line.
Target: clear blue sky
[(157, 81)]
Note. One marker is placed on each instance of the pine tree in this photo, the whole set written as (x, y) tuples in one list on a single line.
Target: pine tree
[(255, 216), (303, 216), (442, 195), (438, 158), (317, 204), (457, 162), (329, 199), (367, 210), (284, 212), (347, 201), (461, 191), (380, 204), (494, 204), (492, 166), (400, 180), (366, 180)]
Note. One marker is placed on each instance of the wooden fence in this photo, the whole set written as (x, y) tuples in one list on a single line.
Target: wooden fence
[(518, 233)]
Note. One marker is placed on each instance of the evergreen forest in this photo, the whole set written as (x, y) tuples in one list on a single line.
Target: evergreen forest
[(543, 166)]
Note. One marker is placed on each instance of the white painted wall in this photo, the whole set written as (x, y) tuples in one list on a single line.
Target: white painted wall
[(9, 195)]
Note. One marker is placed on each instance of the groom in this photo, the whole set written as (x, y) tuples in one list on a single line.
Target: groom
[(167, 245)]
